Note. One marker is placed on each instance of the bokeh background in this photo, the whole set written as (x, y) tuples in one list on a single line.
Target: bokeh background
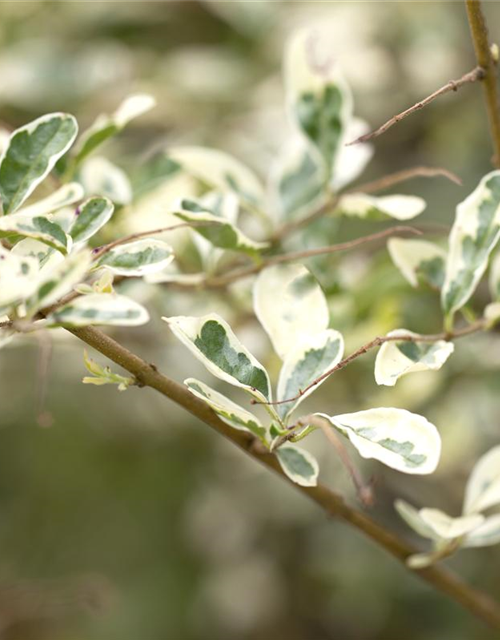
[(123, 518)]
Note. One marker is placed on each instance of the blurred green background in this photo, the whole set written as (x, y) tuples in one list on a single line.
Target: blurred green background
[(128, 520)]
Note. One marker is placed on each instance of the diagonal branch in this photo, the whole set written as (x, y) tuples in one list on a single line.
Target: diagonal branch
[(453, 85), (476, 602)]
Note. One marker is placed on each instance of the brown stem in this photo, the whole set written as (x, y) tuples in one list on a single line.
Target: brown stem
[(479, 34), (386, 182), (222, 281), (480, 325), (453, 85), (476, 602)]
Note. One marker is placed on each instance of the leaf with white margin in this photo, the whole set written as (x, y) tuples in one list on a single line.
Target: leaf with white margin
[(351, 158), (306, 363), (227, 410), (318, 99), (396, 359), (396, 207), (483, 486), (31, 155), (297, 181), (494, 280), (491, 313), (101, 177), (35, 249), (100, 308), (137, 258), (107, 126), (220, 232), (219, 170), (290, 305), (213, 342), (414, 520), (402, 440), (37, 227), (90, 216), (473, 237), (447, 527), (59, 280), (18, 277), (486, 535), (64, 196), (299, 465), (418, 260)]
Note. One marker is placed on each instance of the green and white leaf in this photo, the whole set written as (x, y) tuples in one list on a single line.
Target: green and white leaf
[(395, 207), (227, 410), (396, 359), (56, 282), (36, 227), (31, 155), (107, 126), (413, 519), (318, 99), (486, 535), (494, 280), (297, 182), (104, 375), (90, 216), (418, 261), (100, 308), (213, 342), (290, 305), (306, 363), (483, 487), (220, 171), (220, 232), (18, 277), (64, 196), (473, 237), (447, 527), (402, 440), (101, 177), (38, 250), (137, 258), (299, 465), (351, 158)]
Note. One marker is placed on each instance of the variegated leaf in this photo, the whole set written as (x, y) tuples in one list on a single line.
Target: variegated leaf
[(318, 99), (290, 305), (483, 487), (396, 359), (36, 227), (101, 177), (299, 465), (495, 277), (351, 158), (305, 364), (227, 410), (486, 535), (90, 216), (59, 280), (31, 154), (100, 308), (107, 126), (474, 234), (413, 519), (402, 440), (213, 342), (137, 258), (219, 171), (418, 261), (394, 207), (447, 527), (218, 231), (18, 277), (64, 196)]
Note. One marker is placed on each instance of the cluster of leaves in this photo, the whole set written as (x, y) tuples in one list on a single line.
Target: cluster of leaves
[(49, 277)]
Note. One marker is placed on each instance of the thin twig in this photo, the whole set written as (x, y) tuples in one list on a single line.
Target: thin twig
[(480, 325), (453, 85), (477, 602), (479, 34), (293, 256), (388, 181)]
